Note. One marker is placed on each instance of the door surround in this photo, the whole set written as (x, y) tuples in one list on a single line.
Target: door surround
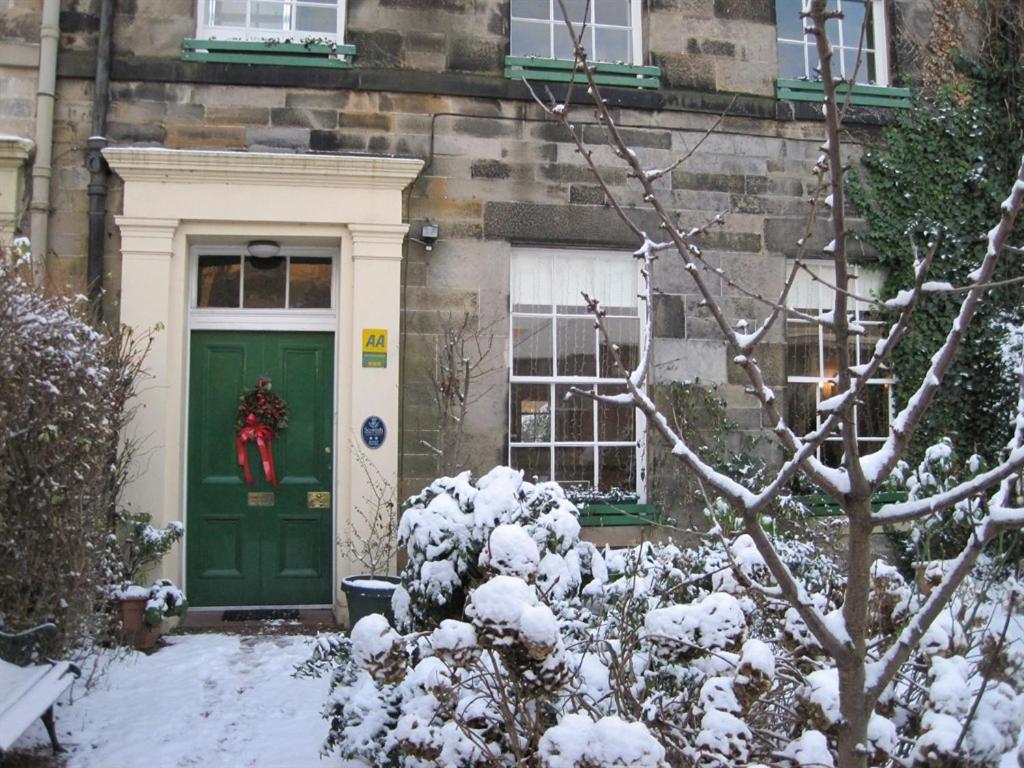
[(176, 198)]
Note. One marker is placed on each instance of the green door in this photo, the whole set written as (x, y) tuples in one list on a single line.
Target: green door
[(257, 545)]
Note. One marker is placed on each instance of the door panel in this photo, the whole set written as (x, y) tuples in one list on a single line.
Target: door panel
[(257, 545)]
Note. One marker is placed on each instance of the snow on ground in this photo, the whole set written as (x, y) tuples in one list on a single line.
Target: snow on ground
[(204, 700)]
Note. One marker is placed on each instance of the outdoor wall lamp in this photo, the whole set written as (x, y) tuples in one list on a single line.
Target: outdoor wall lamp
[(429, 233), (263, 249)]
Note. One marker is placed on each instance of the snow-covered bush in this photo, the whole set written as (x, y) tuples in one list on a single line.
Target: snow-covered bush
[(141, 544), (446, 531), (64, 393), (651, 655)]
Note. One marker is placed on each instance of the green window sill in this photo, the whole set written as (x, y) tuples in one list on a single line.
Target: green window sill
[(608, 515), (564, 71), (825, 506), (860, 95), (269, 52)]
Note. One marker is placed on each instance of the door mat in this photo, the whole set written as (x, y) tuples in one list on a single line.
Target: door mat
[(262, 614)]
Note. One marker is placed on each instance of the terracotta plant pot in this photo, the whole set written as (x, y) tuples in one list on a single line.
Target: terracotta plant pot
[(134, 629)]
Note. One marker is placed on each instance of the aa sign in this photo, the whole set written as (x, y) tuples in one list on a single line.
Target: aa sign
[(375, 348)]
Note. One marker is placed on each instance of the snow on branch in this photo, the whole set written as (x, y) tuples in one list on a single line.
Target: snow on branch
[(905, 511)]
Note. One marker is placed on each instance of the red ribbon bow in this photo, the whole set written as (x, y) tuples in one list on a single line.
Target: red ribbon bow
[(264, 437)]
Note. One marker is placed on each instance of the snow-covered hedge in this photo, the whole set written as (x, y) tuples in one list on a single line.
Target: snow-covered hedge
[(563, 656), (64, 388)]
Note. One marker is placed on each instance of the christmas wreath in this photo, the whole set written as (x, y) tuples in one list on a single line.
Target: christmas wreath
[(261, 415)]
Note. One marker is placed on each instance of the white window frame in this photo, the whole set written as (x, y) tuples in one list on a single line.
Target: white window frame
[(826, 269), (558, 25), (879, 45), (207, 30), (284, 319), (554, 381)]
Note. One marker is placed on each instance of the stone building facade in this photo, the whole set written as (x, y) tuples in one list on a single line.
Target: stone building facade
[(424, 120)]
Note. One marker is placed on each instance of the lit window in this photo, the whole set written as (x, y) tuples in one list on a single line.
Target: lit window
[(862, 29), (554, 346), (811, 365), (611, 29), (295, 20)]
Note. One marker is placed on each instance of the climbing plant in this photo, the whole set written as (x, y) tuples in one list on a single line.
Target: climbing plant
[(943, 167)]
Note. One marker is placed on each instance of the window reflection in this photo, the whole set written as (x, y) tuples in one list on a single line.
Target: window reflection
[(309, 283), (232, 281), (264, 283), (219, 280)]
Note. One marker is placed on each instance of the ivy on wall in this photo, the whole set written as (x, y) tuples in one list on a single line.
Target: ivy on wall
[(943, 171)]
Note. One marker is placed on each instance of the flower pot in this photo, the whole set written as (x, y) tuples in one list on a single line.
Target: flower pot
[(369, 594), (134, 629)]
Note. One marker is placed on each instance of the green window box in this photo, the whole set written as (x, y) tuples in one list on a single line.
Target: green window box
[(860, 95), (608, 515), (825, 506), (273, 52), (564, 71)]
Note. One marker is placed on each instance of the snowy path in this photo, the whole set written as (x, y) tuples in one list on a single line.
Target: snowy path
[(205, 700)]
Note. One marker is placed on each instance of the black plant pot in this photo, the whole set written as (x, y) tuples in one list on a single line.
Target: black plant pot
[(369, 594)]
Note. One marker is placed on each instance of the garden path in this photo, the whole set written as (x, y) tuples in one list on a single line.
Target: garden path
[(211, 700)]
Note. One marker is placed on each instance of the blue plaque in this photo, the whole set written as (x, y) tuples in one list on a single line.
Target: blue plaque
[(374, 432)]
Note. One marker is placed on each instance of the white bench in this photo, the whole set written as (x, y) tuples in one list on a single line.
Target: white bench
[(28, 690)]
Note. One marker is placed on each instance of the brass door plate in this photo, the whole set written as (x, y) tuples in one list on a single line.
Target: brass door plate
[(261, 499), (318, 500)]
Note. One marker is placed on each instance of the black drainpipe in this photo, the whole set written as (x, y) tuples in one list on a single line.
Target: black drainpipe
[(94, 162)]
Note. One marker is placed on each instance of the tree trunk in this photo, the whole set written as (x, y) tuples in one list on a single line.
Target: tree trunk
[(853, 735), (855, 710)]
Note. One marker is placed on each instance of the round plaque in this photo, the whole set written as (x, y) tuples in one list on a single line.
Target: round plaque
[(374, 432)]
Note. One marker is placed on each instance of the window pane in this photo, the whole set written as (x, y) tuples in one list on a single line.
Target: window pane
[(832, 453), (316, 19), (801, 406), (268, 15), (872, 335), (229, 13), (611, 44), (530, 39), (791, 61), (617, 470), (574, 417), (531, 346), (625, 333), (577, 343), (611, 12), (853, 25), (788, 21), (873, 411), (218, 281), (264, 283), (535, 463), (531, 9), (563, 43), (850, 63), (576, 9), (615, 423), (831, 363), (802, 349), (309, 283), (574, 467), (531, 413), (870, 72)]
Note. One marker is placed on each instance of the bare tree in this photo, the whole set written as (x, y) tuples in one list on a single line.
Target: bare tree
[(863, 672), (461, 362)]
